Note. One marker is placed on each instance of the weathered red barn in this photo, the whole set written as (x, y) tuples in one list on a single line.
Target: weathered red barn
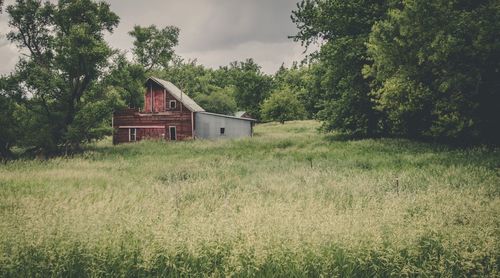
[(172, 115)]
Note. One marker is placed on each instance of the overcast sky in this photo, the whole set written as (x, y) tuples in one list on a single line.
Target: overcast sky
[(215, 32)]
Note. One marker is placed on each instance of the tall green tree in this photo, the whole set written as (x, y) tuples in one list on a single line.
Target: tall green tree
[(153, 47), (9, 126), (343, 28), (191, 77), (282, 105), (300, 79), (436, 69), (128, 80), (220, 101), (252, 86), (65, 54)]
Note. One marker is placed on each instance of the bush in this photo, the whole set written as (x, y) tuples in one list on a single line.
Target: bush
[(282, 106)]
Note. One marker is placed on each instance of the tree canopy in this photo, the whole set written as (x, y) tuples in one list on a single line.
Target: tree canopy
[(418, 69), (282, 105), (220, 101), (438, 77), (65, 55), (343, 27), (252, 86), (153, 47)]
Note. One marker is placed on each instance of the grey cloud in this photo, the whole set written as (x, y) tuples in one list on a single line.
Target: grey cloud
[(3, 41), (265, 54), (213, 24), (214, 31), (218, 31), (235, 22)]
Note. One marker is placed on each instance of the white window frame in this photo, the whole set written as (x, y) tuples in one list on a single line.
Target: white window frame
[(222, 131), (170, 104), (130, 134), (170, 134)]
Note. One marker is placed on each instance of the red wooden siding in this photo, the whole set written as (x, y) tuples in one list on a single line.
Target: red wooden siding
[(154, 123), (161, 100), (150, 133), (131, 118)]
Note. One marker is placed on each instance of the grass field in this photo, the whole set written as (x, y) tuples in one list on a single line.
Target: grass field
[(288, 202)]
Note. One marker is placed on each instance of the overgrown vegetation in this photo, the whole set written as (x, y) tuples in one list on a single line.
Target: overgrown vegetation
[(288, 202), (282, 106), (416, 69), (410, 69), (64, 90), (54, 93)]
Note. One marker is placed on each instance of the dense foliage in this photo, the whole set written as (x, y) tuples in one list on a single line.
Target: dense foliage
[(241, 85), (56, 80), (128, 79), (416, 69), (8, 125), (288, 202), (344, 26), (436, 69), (252, 86), (419, 69), (219, 101), (282, 106), (153, 47)]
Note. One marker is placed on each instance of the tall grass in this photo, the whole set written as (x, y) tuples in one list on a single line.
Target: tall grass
[(288, 202)]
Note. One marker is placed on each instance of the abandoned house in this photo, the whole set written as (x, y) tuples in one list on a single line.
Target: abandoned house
[(172, 115)]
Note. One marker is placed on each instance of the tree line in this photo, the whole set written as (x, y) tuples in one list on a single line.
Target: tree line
[(69, 81), (414, 68)]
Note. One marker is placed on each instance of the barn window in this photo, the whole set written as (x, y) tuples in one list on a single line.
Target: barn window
[(132, 134), (222, 130), (173, 104)]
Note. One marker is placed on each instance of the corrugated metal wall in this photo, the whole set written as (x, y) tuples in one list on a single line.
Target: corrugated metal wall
[(208, 126)]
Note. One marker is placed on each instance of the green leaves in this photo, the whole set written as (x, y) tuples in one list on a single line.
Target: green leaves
[(408, 68), (220, 101), (127, 79), (153, 47), (252, 86), (282, 106), (66, 54), (341, 92), (432, 78)]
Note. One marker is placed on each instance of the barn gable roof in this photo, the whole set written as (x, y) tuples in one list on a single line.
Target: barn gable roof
[(188, 102)]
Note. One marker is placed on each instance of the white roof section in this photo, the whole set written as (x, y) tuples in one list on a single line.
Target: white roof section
[(188, 102), (227, 116), (239, 114)]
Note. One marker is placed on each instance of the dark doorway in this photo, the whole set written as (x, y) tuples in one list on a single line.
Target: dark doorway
[(173, 133)]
